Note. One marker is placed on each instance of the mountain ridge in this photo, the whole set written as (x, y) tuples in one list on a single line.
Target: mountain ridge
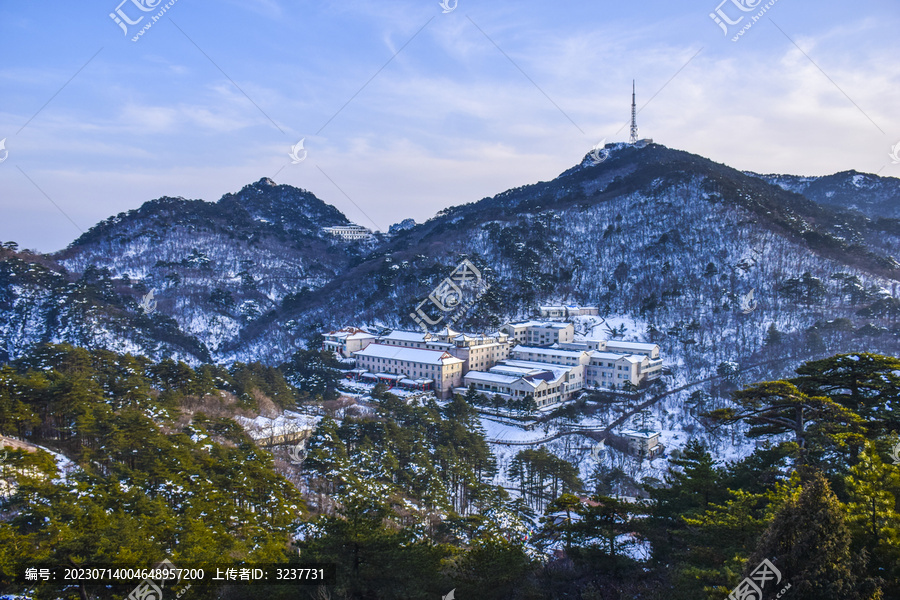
[(253, 277)]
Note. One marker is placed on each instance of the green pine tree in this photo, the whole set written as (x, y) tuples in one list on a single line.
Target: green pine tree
[(808, 541)]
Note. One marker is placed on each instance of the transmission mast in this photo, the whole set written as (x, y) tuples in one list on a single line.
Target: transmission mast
[(634, 129)]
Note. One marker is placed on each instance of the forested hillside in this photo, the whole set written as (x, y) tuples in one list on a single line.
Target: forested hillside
[(151, 463)]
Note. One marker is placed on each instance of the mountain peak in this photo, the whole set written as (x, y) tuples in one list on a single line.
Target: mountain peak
[(263, 185), (284, 206)]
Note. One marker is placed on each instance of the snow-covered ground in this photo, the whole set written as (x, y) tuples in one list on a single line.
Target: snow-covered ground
[(285, 424)]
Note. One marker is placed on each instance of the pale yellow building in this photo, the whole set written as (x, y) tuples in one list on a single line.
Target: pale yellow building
[(394, 364)]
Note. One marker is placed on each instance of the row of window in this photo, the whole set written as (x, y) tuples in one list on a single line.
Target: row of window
[(402, 363)]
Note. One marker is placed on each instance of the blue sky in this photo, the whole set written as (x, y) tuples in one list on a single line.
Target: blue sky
[(488, 96)]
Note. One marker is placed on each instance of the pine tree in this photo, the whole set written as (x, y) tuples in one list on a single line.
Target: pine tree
[(693, 483), (868, 384), (775, 408), (874, 488), (808, 541), (773, 336)]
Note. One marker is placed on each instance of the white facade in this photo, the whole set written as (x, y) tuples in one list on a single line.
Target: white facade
[(348, 233), (554, 356), (516, 379), (651, 350), (540, 333), (568, 311), (346, 341), (642, 442), (478, 351)]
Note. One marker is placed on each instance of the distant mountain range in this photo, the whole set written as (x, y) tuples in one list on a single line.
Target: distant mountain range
[(664, 240), (875, 197)]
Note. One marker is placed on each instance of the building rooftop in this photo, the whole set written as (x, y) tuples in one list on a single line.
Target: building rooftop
[(362, 335), (633, 358), (533, 369), (545, 324), (407, 336), (645, 434), (488, 377), (631, 345), (447, 332), (550, 351), (431, 357)]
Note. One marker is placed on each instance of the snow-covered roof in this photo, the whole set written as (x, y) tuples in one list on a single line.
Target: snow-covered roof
[(544, 324), (549, 351), (487, 377), (388, 376), (361, 336), (632, 358), (645, 434), (347, 332), (525, 368), (539, 366), (506, 369), (639, 346), (430, 357), (447, 332), (479, 340), (407, 336)]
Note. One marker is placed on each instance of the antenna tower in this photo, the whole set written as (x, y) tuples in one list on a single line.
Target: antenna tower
[(634, 129)]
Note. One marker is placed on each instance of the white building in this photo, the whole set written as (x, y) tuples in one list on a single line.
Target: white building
[(540, 333), (478, 351), (406, 339), (651, 350), (568, 311), (611, 370), (554, 356), (346, 341), (348, 233), (642, 442), (612, 364), (481, 352), (516, 379), (426, 369)]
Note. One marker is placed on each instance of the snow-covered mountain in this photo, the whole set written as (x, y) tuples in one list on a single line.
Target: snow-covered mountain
[(875, 197), (664, 240)]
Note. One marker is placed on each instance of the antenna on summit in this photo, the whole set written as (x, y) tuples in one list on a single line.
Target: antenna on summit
[(634, 129)]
